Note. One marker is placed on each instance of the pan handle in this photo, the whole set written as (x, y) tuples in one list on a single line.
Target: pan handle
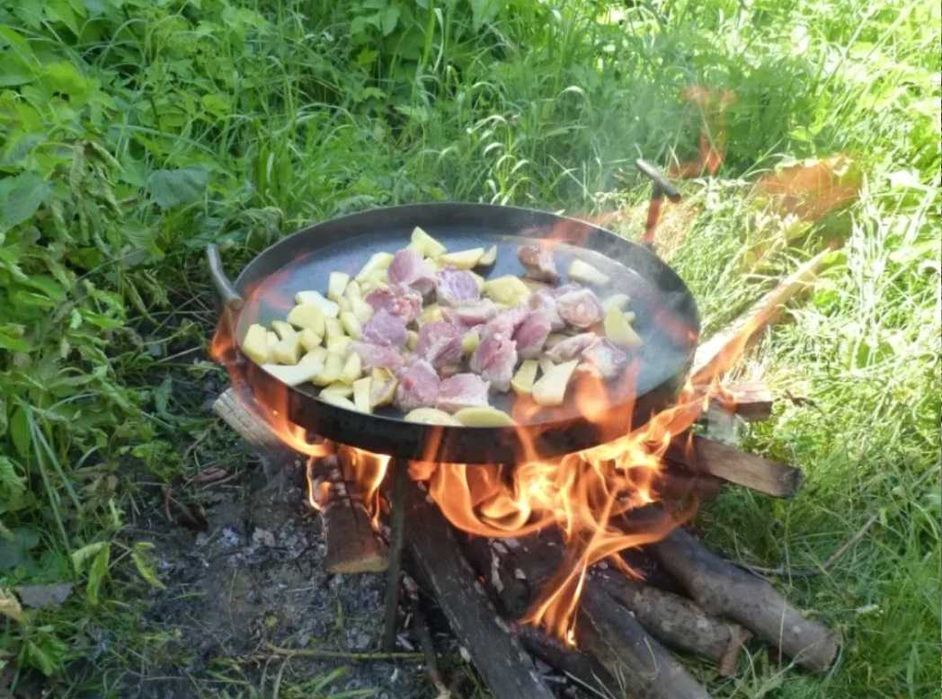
[(661, 188), (227, 292)]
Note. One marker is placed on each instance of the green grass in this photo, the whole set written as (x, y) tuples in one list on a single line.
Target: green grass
[(132, 133)]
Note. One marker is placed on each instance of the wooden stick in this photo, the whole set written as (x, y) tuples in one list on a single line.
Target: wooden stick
[(752, 401), (722, 588), (707, 456), (502, 662), (717, 355), (397, 516), (352, 546), (238, 412)]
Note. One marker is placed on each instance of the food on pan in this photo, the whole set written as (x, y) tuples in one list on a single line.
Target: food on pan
[(419, 329)]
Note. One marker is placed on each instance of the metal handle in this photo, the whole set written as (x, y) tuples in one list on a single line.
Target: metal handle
[(227, 292), (661, 188)]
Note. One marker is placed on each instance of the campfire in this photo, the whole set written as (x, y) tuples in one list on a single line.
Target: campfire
[(576, 558)]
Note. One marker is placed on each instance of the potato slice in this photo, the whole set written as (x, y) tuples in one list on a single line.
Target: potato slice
[(272, 338), (336, 399), (283, 329), (546, 364), (339, 388), (618, 329), (328, 308), (352, 368), (318, 355), (508, 290), (361, 394), (344, 306), (464, 259), (522, 382), (378, 262), (551, 388), (255, 344), (336, 285), (339, 345), (619, 301), (470, 341), (353, 290), (483, 417), (431, 416), (295, 374), (330, 372), (307, 315), (582, 271), (288, 350), (361, 309), (489, 257), (333, 328), (351, 325), (412, 339), (430, 314), (309, 339), (382, 388), (425, 244)]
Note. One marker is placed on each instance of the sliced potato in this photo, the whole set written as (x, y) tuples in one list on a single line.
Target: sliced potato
[(318, 355), (430, 314), (283, 329), (618, 329), (295, 374), (344, 305), (328, 307), (434, 263), (339, 388), (378, 262), (336, 399), (470, 341), (255, 344), (309, 339), (378, 278), (425, 244), (522, 382), (412, 339), (336, 285), (352, 368), (508, 290), (546, 364), (353, 290), (287, 351), (383, 387), (483, 417), (431, 416), (330, 372), (272, 338), (551, 388), (479, 280), (361, 394), (339, 345), (361, 309), (351, 325), (307, 315), (619, 301), (463, 259), (489, 257), (582, 271), (333, 328)]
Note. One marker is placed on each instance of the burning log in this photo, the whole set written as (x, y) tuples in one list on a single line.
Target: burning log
[(500, 659), (236, 412), (707, 456), (752, 401), (722, 588)]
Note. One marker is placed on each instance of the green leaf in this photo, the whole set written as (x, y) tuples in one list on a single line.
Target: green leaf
[(19, 432), (140, 556), (22, 196), (11, 338), (97, 573), (80, 556), (12, 486), (483, 12), (390, 18), (171, 188)]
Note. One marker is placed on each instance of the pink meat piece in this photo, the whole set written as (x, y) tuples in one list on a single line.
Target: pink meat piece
[(605, 358), (384, 328), (571, 347), (580, 308), (378, 356), (439, 343), (565, 289), (398, 300), (538, 262), (409, 269), (531, 334), (418, 386), (471, 315), (462, 391), (456, 287), (507, 322), (543, 300), (496, 355)]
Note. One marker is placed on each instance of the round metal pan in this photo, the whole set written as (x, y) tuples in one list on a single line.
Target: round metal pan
[(666, 318)]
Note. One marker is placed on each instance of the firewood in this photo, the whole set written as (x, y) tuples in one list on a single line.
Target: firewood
[(237, 412), (504, 665), (707, 456), (716, 355), (750, 400), (352, 546), (724, 589)]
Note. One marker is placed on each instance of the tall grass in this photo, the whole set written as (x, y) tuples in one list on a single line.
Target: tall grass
[(133, 133)]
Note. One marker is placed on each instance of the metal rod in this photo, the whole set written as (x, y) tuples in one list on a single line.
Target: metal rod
[(397, 519), (227, 292)]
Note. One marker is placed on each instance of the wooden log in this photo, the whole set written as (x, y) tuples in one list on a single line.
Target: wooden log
[(724, 589), (352, 546), (605, 630), (716, 355), (707, 456), (678, 622), (504, 665), (750, 400), (237, 412)]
